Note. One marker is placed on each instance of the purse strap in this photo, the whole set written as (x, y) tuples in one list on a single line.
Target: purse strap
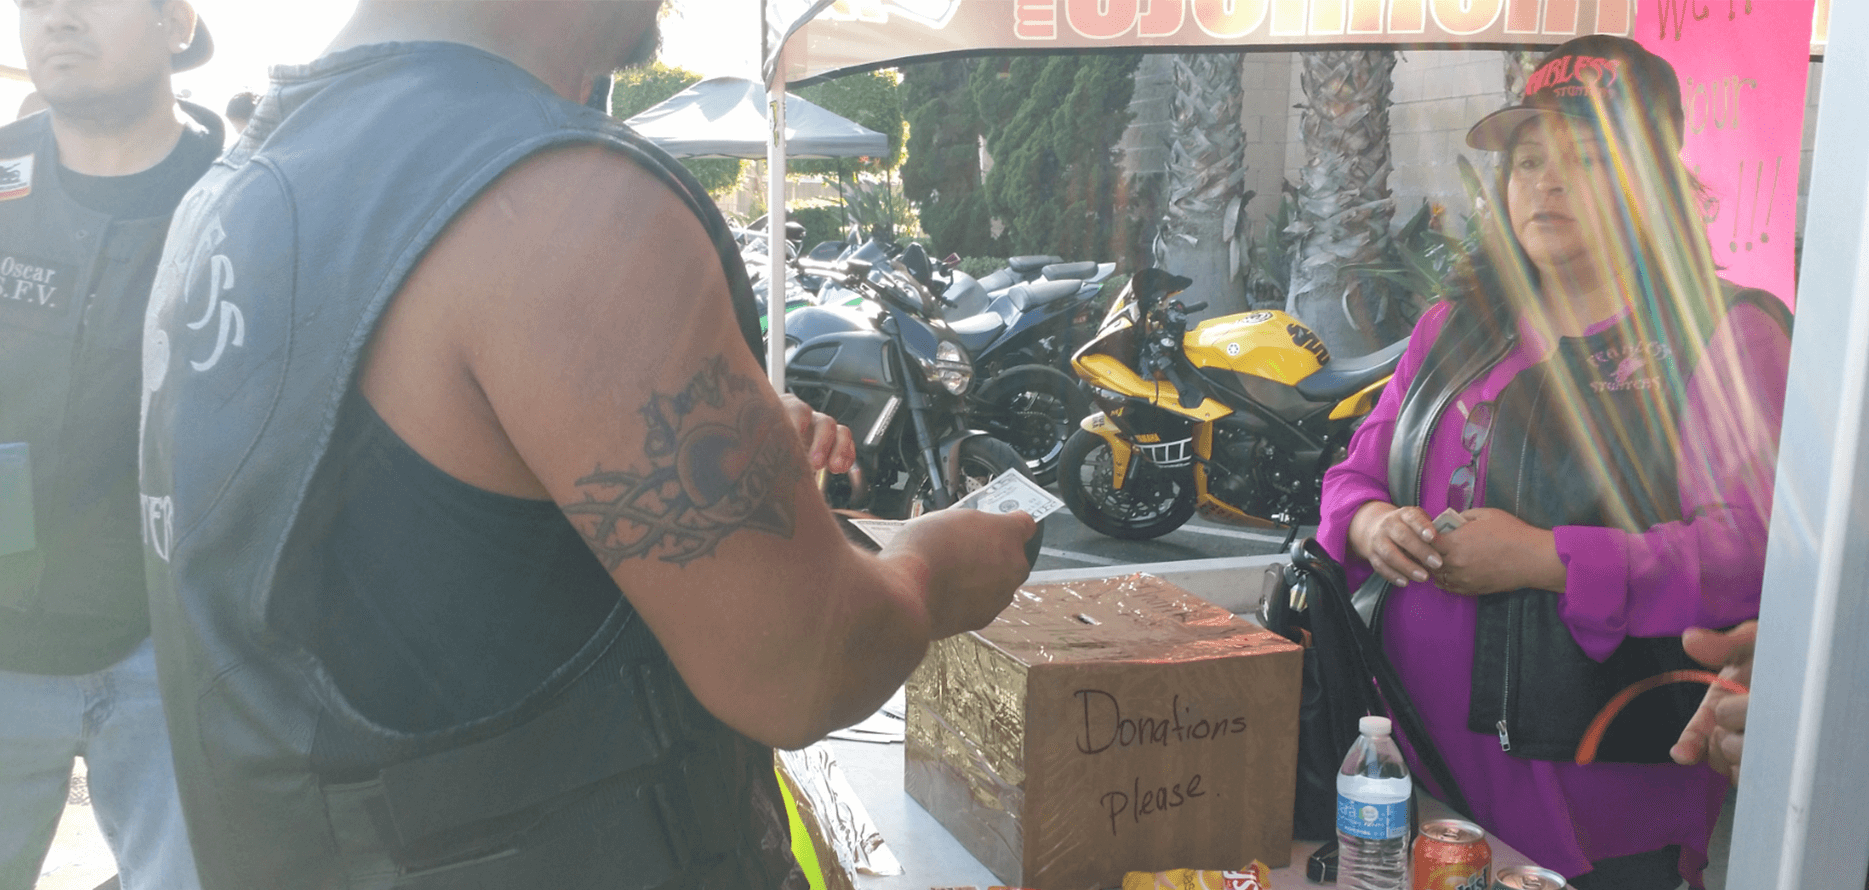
[(1354, 666)]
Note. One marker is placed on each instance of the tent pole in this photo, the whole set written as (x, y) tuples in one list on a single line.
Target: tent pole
[(776, 283)]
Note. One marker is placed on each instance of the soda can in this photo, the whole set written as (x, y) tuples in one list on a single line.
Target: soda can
[(1451, 854), (1527, 877)]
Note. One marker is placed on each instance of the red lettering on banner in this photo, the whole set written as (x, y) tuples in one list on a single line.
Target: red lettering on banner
[(1522, 17), (1101, 19), (1161, 18), (1035, 19), (1288, 18), (1366, 17), (1106, 20), (1408, 16), (1561, 16), (1462, 17), (1327, 16), (1612, 17), (1228, 19)]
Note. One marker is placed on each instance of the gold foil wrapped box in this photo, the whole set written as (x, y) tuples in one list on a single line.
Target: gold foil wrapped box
[(1103, 727)]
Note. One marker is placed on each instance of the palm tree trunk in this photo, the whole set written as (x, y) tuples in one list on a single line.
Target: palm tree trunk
[(1344, 204), (1204, 235), (1520, 63)]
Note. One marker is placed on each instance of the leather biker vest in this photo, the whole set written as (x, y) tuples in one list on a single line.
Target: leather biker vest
[(1584, 438), (609, 773), (74, 284)]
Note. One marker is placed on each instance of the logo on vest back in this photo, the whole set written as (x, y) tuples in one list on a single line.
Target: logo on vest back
[(15, 178)]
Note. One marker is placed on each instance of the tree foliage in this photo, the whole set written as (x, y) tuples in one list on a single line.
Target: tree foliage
[(942, 173), (640, 88), (871, 99), (1050, 125)]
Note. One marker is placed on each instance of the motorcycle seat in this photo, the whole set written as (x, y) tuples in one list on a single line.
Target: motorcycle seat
[(1074, 271), (998, 280), (976, 331), (1342, 378), (1026, 265), (1040, 293)]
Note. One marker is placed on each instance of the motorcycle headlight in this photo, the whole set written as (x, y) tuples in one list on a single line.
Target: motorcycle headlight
[(950, 368)]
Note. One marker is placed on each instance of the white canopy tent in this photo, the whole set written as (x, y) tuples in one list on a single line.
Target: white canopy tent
[(1807, 764), (726, 117)]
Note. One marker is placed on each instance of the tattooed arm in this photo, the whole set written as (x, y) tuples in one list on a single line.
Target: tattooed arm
[(570, 338)]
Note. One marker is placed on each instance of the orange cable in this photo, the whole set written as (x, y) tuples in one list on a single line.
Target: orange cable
[(1593, 736)]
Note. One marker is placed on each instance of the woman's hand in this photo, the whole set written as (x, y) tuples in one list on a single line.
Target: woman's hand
[(1496, 551), (1397, 541)]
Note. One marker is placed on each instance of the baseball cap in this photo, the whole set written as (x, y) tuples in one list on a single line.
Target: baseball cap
[(199, 50), (1584, 79)]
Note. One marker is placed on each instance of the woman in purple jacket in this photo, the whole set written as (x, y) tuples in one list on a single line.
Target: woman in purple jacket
[(1601, 413)]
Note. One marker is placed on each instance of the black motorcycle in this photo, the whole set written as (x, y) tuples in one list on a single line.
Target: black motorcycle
[(899, 384), (1020, 338), (1023, 341)]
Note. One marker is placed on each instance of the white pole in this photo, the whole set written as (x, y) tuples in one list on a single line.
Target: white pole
[(776, 283), (1805, 776)]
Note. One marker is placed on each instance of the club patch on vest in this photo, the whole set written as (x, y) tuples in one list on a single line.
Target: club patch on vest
[(15, 178), (30, 283)]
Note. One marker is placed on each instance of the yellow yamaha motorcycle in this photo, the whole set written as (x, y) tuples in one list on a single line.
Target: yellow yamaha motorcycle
[(1237, 417)]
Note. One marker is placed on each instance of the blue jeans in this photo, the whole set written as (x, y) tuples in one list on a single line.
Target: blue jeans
[(113, 719)]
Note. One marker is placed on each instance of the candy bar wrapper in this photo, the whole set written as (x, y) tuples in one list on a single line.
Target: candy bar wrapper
[(1254, 877)]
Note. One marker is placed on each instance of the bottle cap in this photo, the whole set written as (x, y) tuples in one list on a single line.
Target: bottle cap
[(1373, 726)]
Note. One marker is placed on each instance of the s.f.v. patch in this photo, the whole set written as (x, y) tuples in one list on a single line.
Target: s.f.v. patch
[(15, 178)]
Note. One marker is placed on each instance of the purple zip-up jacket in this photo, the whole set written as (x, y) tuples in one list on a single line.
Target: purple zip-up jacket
[(1705, 571)]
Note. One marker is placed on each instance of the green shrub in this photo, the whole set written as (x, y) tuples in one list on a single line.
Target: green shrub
[(982, 266), (822, 222)]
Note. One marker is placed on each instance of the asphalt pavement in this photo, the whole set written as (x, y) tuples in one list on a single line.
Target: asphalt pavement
[(1069, 544)]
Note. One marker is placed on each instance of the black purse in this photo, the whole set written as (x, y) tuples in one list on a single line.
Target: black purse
[(1346, 676)]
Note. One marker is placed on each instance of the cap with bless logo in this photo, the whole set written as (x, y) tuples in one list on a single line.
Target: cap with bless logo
[(1606, 81)]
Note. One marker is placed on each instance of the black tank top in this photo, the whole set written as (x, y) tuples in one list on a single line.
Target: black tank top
[(439, 602)]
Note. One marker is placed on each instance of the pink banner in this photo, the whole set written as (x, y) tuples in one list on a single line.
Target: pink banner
[(1743, 66)]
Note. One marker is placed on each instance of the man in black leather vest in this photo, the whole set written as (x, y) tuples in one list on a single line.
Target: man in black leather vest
[(481, 553), (87, 188)]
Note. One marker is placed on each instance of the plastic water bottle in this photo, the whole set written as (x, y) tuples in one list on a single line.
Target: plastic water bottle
[(1372, 812)]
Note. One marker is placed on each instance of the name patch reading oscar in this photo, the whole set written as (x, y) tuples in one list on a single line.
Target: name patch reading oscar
[(1109, 726)]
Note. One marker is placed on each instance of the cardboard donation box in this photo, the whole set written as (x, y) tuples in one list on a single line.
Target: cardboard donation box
[(1106, 726)]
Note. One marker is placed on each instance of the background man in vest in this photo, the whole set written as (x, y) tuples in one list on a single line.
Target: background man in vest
[(86, 193), (481, 552)]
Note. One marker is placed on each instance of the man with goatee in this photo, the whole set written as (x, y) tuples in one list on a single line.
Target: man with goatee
[(482, 554)]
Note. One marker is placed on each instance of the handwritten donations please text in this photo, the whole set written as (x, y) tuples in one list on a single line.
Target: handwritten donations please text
[(1108, 728)]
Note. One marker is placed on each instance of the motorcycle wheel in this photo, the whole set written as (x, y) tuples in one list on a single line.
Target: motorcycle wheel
[(982, 459), (1034, 409), (1153, 503)]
